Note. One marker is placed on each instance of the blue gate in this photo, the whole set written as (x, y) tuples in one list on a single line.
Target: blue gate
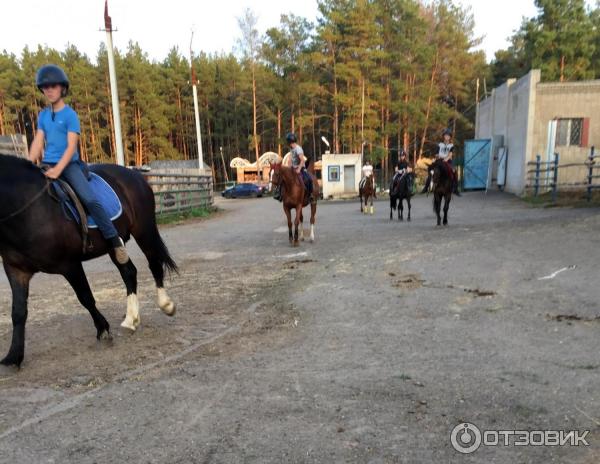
[(477, 164)]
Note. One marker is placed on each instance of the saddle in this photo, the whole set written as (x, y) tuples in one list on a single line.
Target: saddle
[(74, 210)]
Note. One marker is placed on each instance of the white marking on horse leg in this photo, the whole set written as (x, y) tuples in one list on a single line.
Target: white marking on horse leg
[(312, 232), (301, 231), (164, 302), (132, 318)]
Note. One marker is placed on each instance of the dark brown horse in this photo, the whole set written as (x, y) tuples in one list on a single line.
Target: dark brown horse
[(295, 197), (366, 191), (399, 191), (442, 181), (35, 236)]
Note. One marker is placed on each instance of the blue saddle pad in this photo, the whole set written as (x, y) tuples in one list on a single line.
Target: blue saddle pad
[(105, 195)]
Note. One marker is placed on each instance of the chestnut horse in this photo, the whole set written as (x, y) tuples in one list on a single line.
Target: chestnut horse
[(295, 196)]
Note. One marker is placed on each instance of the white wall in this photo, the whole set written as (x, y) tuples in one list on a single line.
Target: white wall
[(510, 112), (336, 189)]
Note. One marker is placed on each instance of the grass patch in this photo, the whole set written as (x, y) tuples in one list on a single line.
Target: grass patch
[(573, 199), (182, 216)]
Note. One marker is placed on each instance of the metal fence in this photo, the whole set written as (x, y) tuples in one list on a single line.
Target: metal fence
[(544, 176), (177, 192)]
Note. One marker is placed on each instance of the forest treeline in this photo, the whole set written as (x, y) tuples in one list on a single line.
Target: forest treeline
[(372, 75)]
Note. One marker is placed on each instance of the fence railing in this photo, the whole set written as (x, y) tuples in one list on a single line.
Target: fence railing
[(180, 192), (544, 176)]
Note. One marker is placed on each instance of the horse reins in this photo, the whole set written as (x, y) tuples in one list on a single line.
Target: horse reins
[(28, 204)]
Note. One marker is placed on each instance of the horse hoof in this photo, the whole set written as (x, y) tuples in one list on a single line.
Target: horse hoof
[(11, 363), (105, 336), (169, 308), (296, 243), (129, 324)]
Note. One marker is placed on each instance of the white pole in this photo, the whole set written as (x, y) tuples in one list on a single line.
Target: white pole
[(196, 111), (198, 134), (114, 93)]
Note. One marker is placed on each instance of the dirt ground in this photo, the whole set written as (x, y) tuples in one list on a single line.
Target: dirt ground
[(368, 346)]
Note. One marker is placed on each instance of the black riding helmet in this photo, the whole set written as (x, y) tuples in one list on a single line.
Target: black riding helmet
[(51, 74), (291, 138), (447, 132)]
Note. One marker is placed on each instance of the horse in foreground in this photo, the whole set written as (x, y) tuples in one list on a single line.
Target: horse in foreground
[(400, 190), (366, 191), (442, 181), (36, 236), (295, 196)]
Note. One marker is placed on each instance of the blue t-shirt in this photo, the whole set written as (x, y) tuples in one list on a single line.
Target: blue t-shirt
[(55, 132)]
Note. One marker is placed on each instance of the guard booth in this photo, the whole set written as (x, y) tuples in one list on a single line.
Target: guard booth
[(341, 175)]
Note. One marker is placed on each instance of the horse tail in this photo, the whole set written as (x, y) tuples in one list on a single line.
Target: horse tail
[(163, 256), (392, 202)]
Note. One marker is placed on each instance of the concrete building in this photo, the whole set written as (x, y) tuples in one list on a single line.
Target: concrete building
[(341, 175), (526, 118)]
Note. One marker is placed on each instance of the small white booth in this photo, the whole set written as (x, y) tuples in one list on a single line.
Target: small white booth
[(341, 175)]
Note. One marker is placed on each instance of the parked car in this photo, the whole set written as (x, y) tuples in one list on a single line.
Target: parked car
[(244, 190)]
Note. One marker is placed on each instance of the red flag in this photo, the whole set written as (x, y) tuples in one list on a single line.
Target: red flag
[(107, 20)]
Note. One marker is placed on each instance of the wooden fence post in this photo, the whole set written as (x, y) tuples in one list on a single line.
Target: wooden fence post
[(538, 160), (555, 178), (590, 175)]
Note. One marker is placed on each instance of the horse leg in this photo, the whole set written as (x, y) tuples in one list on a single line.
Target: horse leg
[(401, 210), (361, 202), (371, 203), (408, 202), (129, 275), (437, 203), (19, 284), (77, 279), (296, 223), (313, 213), (446, 206), (158, 257), (301, 226), (392, 202), (288, 214)]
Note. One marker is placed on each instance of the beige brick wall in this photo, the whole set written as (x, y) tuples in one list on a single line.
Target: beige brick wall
[(567, 100)]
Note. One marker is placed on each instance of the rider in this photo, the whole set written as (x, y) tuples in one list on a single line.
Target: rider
[(445, 153), (55, 144), (403, 167), (367, 170), (299, 162)]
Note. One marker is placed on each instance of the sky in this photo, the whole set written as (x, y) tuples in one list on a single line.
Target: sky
[(158, 26)]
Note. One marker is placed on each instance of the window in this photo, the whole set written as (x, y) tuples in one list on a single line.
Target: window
[(569, 132), (334, 174)]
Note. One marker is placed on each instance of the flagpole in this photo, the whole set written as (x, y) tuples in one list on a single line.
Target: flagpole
[(114, 93)]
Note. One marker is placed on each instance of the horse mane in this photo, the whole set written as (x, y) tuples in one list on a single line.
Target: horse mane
[(12, 166)]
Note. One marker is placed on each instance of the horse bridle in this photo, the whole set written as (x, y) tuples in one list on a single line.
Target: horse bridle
[(29, 203)]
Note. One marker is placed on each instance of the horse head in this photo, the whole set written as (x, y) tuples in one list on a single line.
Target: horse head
[(275, 175)]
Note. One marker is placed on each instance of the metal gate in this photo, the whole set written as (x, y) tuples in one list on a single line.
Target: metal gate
[(477, 164)]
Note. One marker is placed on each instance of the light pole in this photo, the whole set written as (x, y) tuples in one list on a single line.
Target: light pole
[(196, 111), (114, 93)]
